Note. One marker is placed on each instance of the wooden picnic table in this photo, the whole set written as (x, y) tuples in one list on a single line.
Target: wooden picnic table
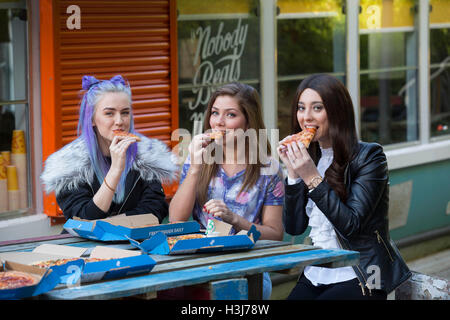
[(221, 270)]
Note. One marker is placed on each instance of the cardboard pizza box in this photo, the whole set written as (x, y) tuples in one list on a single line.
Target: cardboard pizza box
[(121, 263), (122, 227), (47, 280), (118, 263), (218, 241), (69, 271)]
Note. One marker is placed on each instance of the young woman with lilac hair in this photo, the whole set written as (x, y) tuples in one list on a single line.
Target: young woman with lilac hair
[(100, 174)]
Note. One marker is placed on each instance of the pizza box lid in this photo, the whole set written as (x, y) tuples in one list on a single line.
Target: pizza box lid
[(158, 243), (47, 280), (122, 227)]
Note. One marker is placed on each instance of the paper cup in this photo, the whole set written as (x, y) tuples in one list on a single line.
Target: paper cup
[(18, 144), (11, 174), (13, 188), (3, 189), (3, 195), (19, 160), (2, 169), (6, 155)]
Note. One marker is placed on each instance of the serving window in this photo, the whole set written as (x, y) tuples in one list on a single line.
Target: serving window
[(15, 188), (388, 71), (218, 43), (310, 39), (440, 68)]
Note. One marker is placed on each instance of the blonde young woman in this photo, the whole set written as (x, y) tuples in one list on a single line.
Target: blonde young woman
[(99, 174)]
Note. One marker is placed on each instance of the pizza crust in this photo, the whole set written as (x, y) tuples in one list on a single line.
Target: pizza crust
[(305, 137), (122, 133), (58, 262)]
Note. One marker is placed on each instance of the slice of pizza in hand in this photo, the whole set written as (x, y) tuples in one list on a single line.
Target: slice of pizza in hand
[(122, 133), (305, 137), (216, 134)]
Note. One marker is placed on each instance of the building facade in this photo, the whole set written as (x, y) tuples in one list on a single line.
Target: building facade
[(393, 56)]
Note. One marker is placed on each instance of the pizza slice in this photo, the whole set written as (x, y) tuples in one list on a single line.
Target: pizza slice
[(59, 262), (16, 279), (122, 133), (305, 137), (52, 263), (216, 134), (172, 240)]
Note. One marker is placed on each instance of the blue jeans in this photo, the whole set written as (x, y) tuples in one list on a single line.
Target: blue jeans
[(267, 286)]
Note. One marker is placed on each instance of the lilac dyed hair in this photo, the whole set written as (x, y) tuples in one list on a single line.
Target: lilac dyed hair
[(95, 89)]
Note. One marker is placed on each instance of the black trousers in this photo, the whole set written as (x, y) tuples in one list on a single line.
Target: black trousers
[(346, 290)]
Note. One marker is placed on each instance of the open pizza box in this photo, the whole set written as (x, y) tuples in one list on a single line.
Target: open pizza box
[(114, 263), (215, 240), (46, 280), (123, 227)]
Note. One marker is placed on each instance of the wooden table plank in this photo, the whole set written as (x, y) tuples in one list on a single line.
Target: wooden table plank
[(29, 246), (160, 281), (168, 265)]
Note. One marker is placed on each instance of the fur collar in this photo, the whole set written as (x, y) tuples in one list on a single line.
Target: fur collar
[(70, 166)]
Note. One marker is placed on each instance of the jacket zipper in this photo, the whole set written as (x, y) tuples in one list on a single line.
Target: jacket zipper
[(380, 240), (359, 270)]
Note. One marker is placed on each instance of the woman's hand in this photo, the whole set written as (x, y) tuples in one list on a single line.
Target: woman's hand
[(118, 150), (220, 210), (282, 153), (298, 161), (197, 149)]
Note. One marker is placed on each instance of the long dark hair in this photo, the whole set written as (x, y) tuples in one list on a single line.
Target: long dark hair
[(342, 128)]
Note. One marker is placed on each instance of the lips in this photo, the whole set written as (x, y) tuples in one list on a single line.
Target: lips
[(312, 128)]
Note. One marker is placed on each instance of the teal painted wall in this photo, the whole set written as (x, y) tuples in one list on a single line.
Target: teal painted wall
[(429, 199)]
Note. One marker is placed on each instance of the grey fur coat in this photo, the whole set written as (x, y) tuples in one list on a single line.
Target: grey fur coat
[(68, 172)]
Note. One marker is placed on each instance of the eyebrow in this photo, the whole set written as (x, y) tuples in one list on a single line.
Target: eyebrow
[(111, 108), (311, 102), (227, 109)]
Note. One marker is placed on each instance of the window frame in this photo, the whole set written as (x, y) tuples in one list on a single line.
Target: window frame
[(27, 101), (426, 149)]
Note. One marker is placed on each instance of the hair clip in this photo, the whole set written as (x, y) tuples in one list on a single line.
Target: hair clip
[(118, 79), (88, 81)]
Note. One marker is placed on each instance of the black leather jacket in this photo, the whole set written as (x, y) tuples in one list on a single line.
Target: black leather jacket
[(361, 223)]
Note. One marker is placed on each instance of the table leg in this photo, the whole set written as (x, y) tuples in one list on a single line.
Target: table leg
[(230, 289), (255, 286)]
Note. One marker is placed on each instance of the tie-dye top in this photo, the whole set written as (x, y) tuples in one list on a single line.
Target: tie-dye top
[(268, 191)]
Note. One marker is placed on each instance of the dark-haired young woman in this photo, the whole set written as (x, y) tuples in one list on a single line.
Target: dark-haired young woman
[(340, 188)]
